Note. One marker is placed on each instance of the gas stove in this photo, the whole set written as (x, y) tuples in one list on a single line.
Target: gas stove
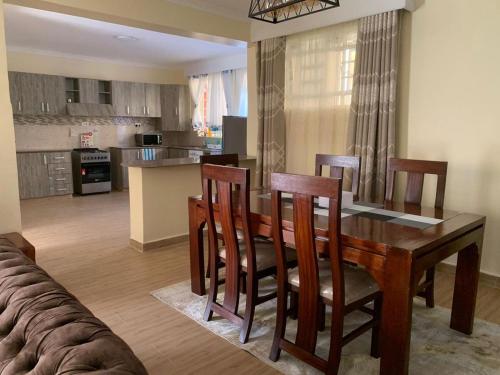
[(91, 155), (91, 171)]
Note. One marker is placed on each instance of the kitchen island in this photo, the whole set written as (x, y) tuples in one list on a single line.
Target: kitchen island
[(159, 191)]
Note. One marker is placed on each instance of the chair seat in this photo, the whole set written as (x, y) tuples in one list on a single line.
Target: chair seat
[(265, 254), (239, 233), (358, 283)]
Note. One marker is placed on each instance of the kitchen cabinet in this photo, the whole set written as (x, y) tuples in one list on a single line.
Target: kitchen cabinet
[(37, 94), (43, 174), (89, 91), (136, 99), (153, 100), (119, 173), (176, 108), (175, 153)]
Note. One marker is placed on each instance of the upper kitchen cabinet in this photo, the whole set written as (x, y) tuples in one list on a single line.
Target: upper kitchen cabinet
[(153, 100), (37, 94), (136, 99), (176, 107), (88, 97)]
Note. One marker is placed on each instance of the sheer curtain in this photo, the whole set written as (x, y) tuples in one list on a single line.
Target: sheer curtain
[(318, 81), (197, 87), (217, 106), (236, 92)]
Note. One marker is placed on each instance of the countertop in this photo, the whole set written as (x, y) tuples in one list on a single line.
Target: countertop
[(36, 151), (197, 148), (123, 148), (171, 162)]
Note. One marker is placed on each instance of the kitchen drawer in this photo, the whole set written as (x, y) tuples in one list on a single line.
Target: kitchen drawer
[(59, 168), (66, 178), (58, 157), (60, 189)]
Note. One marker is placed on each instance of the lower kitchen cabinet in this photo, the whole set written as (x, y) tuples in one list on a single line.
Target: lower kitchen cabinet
[(119, 173), (44, 174)]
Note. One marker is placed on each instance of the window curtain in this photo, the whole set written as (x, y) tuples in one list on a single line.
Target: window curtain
[(236, 92), (197, 86), (372, 121), (271, 142), (319, 70), (217, 107)]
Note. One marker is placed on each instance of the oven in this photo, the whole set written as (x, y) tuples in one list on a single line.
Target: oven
[(91, 171)]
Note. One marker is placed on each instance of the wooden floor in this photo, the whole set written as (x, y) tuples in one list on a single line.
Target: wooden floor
[(83, 243)]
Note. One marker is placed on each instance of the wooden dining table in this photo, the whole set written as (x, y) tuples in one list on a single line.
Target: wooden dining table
[(395, 254)]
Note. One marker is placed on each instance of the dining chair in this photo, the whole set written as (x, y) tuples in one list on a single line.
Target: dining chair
[(248, 259), (337, 165), (227, 160), (416, 171), (316, 280)]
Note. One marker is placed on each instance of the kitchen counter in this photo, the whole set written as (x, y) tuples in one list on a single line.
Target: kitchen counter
[(36, 151), (159, 191), (172, 162)]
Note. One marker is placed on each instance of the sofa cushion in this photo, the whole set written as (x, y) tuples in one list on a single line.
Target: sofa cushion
[(44, 330)]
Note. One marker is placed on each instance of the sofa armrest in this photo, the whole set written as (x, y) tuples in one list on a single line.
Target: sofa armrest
[(18, 241)]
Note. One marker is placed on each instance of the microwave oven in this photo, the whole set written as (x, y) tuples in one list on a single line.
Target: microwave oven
[(148, 140)]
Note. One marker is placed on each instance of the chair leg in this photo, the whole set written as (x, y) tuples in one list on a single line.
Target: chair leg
[(321, 316), (280, 327), (294, 305), (377, 308), (335, 347), (252, 293), (212, 295), (243, 284), (429, 291)]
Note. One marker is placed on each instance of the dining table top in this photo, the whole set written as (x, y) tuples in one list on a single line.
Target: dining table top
[(377, 227)]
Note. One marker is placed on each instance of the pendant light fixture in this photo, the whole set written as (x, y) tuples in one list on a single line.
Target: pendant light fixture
[(276, 11)]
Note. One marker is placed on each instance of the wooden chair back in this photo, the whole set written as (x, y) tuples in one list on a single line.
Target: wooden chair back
[(225, 159), (229, 203), (416, 169), (303, 190), (337, 165)]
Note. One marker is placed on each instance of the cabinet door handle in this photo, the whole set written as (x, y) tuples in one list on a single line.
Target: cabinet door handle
[(60, 179), (58, 157), (48, 107), (144, 109), (60, 169), (128, 110), (138, 155), (19, 106), (44, 159), (43, 107), (62, 189), (147, 110), (177, 111)]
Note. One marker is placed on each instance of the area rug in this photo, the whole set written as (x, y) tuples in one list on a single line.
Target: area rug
[(435, 348)]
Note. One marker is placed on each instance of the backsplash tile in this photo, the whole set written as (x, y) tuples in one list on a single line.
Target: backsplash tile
[(62, 132)]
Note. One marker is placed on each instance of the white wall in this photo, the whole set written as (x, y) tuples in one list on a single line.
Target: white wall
[(217, 65), (450, 106), (10, 214), (349, 10)]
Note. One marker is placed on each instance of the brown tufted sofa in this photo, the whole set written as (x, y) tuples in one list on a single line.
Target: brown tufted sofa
[(44, 330)]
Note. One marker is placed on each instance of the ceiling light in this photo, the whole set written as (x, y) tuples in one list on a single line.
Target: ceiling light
[(276, 11), (126, 37)]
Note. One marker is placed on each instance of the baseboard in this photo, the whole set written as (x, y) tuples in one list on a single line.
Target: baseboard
[(484, 278), (142, 247)]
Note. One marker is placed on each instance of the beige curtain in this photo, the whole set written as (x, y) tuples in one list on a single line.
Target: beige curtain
[(271, 85), (318, 84), (372, 120)]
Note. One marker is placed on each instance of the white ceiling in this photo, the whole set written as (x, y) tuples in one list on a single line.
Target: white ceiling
[(230, 8), (48, 32)]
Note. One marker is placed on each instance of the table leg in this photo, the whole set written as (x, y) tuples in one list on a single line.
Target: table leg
[(396, 313), (466, 283), (196, 255)]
